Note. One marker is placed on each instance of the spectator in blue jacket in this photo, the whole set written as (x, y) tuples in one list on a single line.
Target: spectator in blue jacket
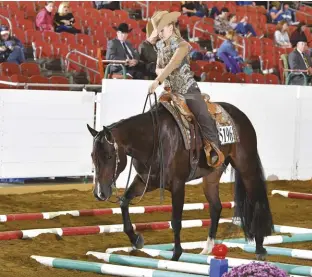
[(275, 13), (11, 48), (229, 55), (243, 27)]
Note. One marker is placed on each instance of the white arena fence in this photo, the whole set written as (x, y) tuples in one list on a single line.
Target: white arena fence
[(44, 134)]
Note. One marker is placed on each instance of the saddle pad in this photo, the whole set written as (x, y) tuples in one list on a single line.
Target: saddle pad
[(182, 115)]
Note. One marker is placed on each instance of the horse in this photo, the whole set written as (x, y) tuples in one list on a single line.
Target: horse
[(136, 137)]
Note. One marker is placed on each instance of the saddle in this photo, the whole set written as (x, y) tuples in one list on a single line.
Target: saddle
[(176, 104)]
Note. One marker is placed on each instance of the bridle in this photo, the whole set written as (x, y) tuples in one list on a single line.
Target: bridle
[(117, 161)]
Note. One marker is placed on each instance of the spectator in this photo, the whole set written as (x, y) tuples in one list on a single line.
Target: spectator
[(281, 36), (245, 3), (44, 19), (299, 60), (229, 55), (11, 48), (221, 23), (148, 53), (287, 15), (276, 14), (298, 33), (243, 27), (64, 20), (121, 49), (195, 8), (110, 5)]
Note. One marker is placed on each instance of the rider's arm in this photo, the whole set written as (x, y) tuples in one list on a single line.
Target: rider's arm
[(175, 61)]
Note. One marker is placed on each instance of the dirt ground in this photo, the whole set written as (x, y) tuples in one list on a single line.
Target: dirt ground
[(15, 254)]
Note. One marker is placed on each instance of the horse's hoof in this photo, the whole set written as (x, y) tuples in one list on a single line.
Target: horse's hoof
[(261, 255), (176, 254), (139, 241)]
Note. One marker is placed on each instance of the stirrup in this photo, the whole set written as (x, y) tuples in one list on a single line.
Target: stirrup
[(207, 148)]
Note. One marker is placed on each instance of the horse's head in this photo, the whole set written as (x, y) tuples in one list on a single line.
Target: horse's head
[(106, 159)]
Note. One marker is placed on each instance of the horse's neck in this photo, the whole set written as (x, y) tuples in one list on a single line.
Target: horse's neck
[(135, 136)]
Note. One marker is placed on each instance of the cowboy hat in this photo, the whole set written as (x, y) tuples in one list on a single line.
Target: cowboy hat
[(161, 19), (150, 30), (123, 27)]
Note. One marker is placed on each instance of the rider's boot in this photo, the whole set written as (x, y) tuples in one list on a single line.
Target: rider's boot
[(214, 155)]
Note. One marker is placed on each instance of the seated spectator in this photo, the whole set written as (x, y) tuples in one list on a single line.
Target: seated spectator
[(288, 15), (243, 27), (11, 48), (229, 55), (64, 20), (121, 49), (195, 8), (110, 5), (221, 23), (275, 13), (298, 33), (245, 3), (148, 53), (281, 36), (44, 19), (299, 60)]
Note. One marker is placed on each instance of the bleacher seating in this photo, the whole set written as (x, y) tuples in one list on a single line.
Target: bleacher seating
[(97, 29)]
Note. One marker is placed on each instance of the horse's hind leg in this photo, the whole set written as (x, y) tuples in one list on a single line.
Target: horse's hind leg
[(177, 195), (211, 190), (136, 189)]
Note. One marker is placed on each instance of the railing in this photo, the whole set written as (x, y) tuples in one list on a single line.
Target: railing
[(9, 21), (144, 6), (74, 51), (195, 28), (99, 63), (26, 85)]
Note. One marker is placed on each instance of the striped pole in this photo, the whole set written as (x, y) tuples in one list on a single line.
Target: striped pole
[(201, 244), (233, 262), (109, 211), (288, 252), (291, 194), (152, 263), (92, 230), (101, 268)]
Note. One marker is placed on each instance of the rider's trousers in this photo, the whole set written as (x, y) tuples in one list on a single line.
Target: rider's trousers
[(198, 107)]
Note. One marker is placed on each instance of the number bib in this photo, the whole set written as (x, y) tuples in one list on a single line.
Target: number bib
[(226, 134)]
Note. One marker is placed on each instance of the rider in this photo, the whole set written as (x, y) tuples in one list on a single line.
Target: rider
[(173, 69)]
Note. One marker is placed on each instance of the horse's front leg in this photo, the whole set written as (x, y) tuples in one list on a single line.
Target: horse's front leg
[(211, 191), (177, 195), (136, 189)]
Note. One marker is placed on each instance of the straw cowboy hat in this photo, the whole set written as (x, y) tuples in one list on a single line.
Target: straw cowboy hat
[(161, 19), (149, 30)]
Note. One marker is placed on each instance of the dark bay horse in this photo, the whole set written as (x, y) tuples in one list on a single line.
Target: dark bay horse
[(135, 137)]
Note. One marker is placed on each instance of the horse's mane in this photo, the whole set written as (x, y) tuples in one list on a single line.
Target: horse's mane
[(155, 106)]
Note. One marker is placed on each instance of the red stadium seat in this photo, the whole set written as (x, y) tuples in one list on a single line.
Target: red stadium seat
[(19, 79), (59, 80), (243, 78), (271, 79), (30, 69), (9, 69), (229, 78), (5, 79), (257, 78), (40, 80)]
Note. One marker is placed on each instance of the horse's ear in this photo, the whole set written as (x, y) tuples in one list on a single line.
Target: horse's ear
[(92, 131), (107, 133)]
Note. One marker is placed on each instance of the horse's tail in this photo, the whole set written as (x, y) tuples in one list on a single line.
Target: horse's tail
[(253, 209)]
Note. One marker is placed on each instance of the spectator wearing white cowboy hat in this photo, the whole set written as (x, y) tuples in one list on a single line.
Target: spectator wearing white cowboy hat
[(11, 48), (148, 53), (173, 69), (121, 49)]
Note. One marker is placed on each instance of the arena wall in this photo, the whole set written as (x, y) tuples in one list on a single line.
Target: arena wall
[(56, 142)]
